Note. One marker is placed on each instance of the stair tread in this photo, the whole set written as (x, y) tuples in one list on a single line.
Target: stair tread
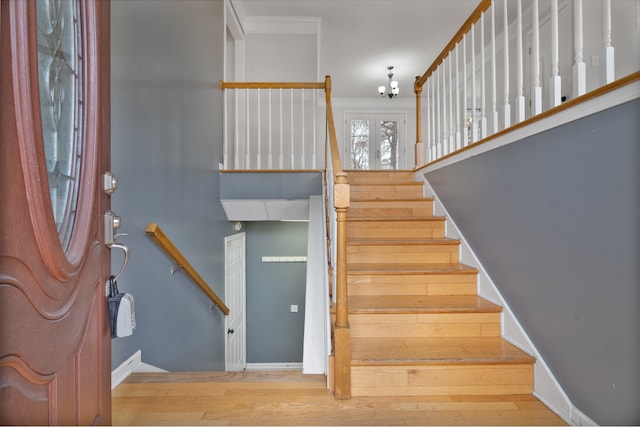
[(397, 268), (436, 351), (421, 304)]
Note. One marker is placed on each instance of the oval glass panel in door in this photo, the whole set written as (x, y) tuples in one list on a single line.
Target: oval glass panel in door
[(60, 75)]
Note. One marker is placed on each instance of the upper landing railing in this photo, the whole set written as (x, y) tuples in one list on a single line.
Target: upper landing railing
[(515, 61), (271, 125)]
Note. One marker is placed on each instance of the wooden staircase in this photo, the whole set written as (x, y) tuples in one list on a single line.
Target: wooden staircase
[(417, 324)]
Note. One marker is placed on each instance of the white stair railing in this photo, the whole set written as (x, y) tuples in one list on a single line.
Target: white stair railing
[(271, 126), (516, 58)]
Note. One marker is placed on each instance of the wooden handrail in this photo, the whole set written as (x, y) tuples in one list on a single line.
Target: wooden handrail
[(473, 18), (271, 85), (163, 241)]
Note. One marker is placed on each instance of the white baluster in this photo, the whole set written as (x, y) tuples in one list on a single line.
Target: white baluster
[(281, 159), (292, 156), (537, 89), (428, 127), (247, 156), (259, 132), (607, 69), (270, 159), (520, 101), (474, 122), (314, 160), (579, 67), (225, 157), (458, 113), (445, 141), (494, 103), (507, 106), (483, 98), (438, 136), (434, 144), (465, 137), (452, 141), (236, 136), (303, 136), (555, 85)]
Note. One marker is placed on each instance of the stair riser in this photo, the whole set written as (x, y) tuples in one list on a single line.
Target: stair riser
[(390, 208), (441, 380), (432, 229), (406, 254), (412, 284), (424, 325), (362, 177), (385, 192)]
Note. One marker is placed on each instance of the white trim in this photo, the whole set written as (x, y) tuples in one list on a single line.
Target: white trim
[(133, 364), (546, 387), (608, 100), (578, 418), (281, 25), (286, 366)]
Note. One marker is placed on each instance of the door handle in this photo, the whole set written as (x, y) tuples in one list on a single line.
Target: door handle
[(230, 331), (111, 224), (125, 249)]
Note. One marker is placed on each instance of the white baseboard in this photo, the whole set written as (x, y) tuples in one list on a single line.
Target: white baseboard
[(290, 366), (580, 419), (133, 364)]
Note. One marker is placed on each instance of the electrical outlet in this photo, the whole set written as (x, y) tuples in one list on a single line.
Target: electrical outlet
[(595, 60), (294, 308)]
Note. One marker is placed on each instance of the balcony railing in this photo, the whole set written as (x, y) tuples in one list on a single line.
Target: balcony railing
[(515, 60)]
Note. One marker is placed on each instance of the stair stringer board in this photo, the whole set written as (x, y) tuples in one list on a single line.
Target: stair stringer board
[(546, 386)]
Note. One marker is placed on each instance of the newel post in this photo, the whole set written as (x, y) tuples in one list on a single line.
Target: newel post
[(419, 151), (342, 330)]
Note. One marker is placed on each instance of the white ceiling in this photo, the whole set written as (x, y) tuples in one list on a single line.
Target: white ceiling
[(360, 38)]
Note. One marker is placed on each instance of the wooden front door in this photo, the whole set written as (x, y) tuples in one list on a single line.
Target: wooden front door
[(55, 343)]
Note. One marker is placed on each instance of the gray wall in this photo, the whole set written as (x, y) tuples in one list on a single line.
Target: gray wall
[(555, 220), (166, 139), (274, 333)]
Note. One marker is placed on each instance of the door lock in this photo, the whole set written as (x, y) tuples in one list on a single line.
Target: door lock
[(111, 224), (109, 182)]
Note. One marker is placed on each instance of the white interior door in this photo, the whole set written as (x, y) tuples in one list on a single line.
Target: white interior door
[(235, 292), (375, 140)]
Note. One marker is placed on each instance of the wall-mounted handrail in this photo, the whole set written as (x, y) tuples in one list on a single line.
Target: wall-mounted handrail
[(163, 241)]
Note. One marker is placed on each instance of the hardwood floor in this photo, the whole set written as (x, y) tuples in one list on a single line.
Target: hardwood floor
[(290, 398)]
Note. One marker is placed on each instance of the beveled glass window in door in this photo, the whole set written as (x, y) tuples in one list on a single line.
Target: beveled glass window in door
[(60, 76)]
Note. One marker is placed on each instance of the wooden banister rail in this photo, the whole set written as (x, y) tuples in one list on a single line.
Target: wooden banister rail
[(341, 202), (163, 241), (271, 85), (421, 80)]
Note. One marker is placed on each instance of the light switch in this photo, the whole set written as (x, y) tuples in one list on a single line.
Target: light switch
[(294, 308)]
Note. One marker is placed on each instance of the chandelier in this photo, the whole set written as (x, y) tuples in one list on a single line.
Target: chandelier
[(392, 89)]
